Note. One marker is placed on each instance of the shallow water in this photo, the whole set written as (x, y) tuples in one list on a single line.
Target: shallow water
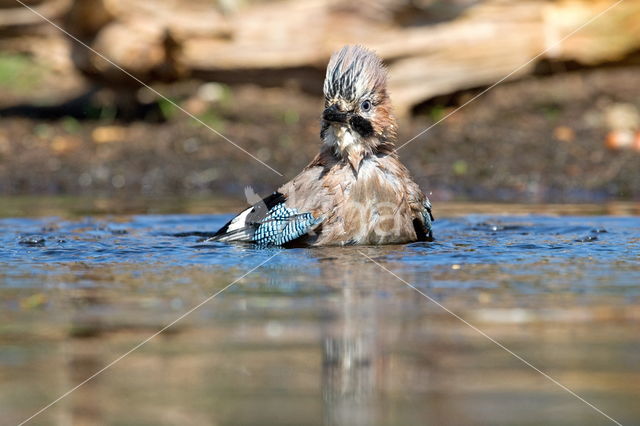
[(320, 336)]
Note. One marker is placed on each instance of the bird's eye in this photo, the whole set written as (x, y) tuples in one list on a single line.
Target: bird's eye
[(365, 106)]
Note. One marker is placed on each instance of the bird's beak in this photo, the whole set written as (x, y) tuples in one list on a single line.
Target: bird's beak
[(333, 115)]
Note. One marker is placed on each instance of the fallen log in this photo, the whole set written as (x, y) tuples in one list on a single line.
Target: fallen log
[(432, 47), (13, 14)]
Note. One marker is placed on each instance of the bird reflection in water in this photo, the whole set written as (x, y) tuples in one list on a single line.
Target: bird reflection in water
[(353, 356)]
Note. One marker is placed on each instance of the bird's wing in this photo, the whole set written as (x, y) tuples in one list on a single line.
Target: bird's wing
[(424, 225), (268, 223), (427, 217)]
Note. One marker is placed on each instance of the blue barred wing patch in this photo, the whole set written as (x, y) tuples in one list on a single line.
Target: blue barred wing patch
[(427, 217), (283, 224)]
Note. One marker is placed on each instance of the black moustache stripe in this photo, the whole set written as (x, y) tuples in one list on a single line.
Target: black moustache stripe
[(361, 125)]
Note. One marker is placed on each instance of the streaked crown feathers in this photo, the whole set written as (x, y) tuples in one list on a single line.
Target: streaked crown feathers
[(354, 72)]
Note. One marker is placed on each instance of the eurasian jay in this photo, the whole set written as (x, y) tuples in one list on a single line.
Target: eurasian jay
[(356, 190)]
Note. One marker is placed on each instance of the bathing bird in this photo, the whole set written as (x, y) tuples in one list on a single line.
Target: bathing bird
[(356, 190)]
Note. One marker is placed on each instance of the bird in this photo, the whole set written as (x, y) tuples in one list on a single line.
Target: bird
[(355, 191)]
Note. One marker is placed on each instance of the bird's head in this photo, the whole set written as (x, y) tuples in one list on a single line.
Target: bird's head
[(357, 120)]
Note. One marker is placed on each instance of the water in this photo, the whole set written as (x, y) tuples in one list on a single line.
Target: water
[(320, 336)]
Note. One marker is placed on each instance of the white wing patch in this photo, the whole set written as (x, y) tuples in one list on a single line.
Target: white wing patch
[(239, 221)]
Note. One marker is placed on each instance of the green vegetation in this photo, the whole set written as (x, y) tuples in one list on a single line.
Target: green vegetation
[(212, 119), (43, 130), (168, 108), (437, 113), (106, 113), (71, 125), (460, 167), (290, 116), (19, 73), (551, 111)]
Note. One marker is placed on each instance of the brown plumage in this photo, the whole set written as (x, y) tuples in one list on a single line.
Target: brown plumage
[(356, 191)]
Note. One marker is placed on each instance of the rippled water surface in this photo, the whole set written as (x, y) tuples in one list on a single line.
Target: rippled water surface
[(320, 336)]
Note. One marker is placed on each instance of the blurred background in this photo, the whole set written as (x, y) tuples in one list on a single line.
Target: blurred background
[(562, 128), (320, 336)]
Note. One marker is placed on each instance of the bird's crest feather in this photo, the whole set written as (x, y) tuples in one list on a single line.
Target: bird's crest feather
[(353, 72)]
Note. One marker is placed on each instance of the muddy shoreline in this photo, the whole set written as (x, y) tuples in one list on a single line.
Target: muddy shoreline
[(542, 139)]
